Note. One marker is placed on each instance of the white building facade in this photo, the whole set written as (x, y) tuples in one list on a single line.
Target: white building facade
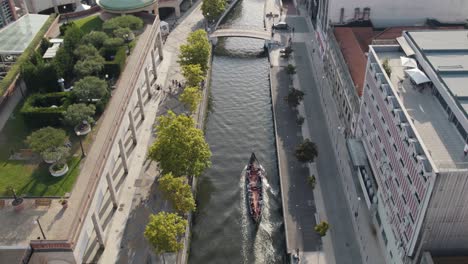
[(414, 137)]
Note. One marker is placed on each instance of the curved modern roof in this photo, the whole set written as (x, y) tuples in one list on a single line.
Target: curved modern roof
[(124, 5)]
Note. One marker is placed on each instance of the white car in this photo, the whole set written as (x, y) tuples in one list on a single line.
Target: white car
[(280, 25)]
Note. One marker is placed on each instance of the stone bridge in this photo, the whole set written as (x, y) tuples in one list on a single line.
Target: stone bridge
[(241, 33)]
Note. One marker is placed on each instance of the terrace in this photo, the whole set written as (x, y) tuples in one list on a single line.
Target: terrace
[(441, 138)]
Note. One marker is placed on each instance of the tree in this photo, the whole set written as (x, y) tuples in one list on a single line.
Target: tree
[(127, 21), (122, 31), (193, 74), (95, 38), (90, 88), (46, 138), (387, 67), (72, 38), (178, 192), (163, 232), (312, 181), (291, 69), (111, 46), (322, 228), (191, 97), (84, 52), (58, 155), (90, 66), (306, 151), (180, 147), (77, 113), (212, 9), (295, 97), (196, 51), (63, 63)]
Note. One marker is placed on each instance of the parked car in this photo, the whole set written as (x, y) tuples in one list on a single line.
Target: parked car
[(281, 25)]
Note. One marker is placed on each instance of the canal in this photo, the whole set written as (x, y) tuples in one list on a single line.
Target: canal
[(239, 122)]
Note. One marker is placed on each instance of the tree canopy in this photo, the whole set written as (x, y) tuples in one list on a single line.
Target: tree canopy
[(322, 228), (191, 97), (58, 154), (46, 138), (77, 113), (83, 52), (193, 74), (163, 232), (212, 9), (72, 38), (95, 38), (306, 151), (295, 97), (89, 88), (90, 66), (178, 192), (63, 63), (196, 51), (180, 147)]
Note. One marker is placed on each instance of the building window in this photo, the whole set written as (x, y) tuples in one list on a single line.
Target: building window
[(406, 237), (393, 201), (409, 179), (417, 197), (411, 218), (397, 182), (383, 120), (403, 197), (390, 165), (373, 98), (394, 147), (390, 253), (384, 152), (402, 163), (388, 132), (384, 237), (399, 218), (380, 140)]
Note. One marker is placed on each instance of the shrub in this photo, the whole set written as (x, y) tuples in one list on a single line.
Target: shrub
[(387, 67), (127, 21), (322, 228), (25, 56), (306, 151), (65, 26), (111, 46), (83, 52), (122, 31), (90, 66), (295, 97), (77, 113), (90, 88), (291, 69), (40, 78), (38, 111), (72, 37)]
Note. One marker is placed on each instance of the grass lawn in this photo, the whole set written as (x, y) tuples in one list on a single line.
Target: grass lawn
[(89, 23), (29, 177)]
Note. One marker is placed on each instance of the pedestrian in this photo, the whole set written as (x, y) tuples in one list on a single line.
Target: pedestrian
[(293, 30), (180, 85), (465, 150)]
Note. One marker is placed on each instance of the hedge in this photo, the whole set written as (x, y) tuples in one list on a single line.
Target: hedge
[(38, 113), (115, 67), (25, 56)]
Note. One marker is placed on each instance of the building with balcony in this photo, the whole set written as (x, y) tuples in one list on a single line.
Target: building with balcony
[(414, 130)]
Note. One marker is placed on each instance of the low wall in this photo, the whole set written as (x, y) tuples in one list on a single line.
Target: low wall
[(87, 12)]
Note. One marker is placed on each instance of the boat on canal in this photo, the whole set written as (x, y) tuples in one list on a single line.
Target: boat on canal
[(254, 174)]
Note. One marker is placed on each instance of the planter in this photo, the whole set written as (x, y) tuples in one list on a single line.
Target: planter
[(49, 161), (58, 173), (18, 204), (82, 129)]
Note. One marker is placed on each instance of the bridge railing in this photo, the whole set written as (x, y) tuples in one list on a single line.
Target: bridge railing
[(242, 27)]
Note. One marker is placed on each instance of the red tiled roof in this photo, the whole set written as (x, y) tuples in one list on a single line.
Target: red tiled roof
[(354, 43), (353, 54)]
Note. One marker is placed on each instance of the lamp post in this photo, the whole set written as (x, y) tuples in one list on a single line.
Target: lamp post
[(40, 227), (83, 153), (108, 84)]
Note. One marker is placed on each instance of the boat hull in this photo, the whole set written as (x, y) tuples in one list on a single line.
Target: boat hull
[(254, 175)]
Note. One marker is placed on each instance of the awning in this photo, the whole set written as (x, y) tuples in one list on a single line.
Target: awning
[(417, 76), (408, 62), (405, 46)]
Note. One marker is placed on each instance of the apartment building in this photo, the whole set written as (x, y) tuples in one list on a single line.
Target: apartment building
[(414, 131), (7, 12)]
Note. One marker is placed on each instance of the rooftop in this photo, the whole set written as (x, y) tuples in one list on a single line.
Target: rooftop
[(124, 5), (442, 140), (15, 37)]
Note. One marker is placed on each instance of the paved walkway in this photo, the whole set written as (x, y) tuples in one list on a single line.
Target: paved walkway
[(131, 246), (340, 244)]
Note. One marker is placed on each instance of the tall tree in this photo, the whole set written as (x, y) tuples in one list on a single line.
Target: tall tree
[(72, 38), (90, 88), (191, 97), (178, 192), (193, 74), (83, 52), (196, 51), (163, 232), (95, 38), (180, 147), (212, 9), (63, 63)]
